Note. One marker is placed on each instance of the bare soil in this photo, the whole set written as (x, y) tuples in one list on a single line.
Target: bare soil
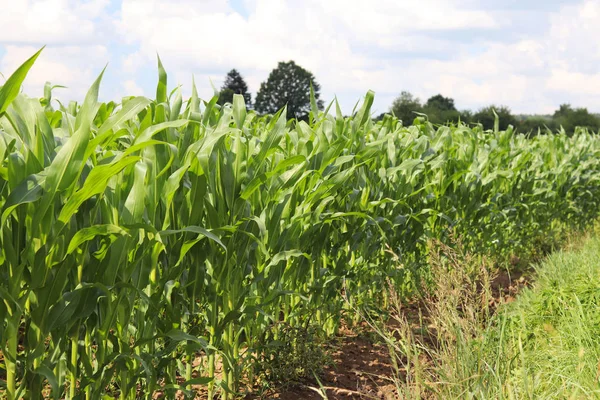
[(361, 370), (506, 286)]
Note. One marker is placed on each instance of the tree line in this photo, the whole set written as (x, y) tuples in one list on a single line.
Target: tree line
[(289, 85), (442, 110)]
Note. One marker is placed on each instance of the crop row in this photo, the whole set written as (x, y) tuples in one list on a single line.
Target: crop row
[(156, 244)]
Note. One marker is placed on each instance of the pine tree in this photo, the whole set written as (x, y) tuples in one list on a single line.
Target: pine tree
[(234, 84)]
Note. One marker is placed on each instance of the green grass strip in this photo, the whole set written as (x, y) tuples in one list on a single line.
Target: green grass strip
[(546, 344)]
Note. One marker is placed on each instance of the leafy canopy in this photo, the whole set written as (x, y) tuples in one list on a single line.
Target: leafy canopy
[(288, 85), (486, 117), (405, 106), (441, 103), (441, 110), (570, 118)]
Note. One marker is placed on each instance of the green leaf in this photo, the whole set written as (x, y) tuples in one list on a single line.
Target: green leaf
[(28, 191), (49, 375), (195, 229), (87, 234), (11, 88), (239, 110), (205, 380), (133, 209), (180, 336), (95, 184), (161, 89)]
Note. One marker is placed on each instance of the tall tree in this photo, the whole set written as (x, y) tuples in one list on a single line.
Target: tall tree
[(441, 103), (563, 111), (288, 85), (404, 107), (234, 84), (441, 110)]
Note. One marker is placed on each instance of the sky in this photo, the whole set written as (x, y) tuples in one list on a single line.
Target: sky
[(530, 55)]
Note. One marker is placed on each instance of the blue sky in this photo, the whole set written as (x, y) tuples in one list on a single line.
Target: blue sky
[(528, 55)]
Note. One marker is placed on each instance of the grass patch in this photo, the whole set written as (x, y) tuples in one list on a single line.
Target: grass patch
[(548, 341), (543, 345)]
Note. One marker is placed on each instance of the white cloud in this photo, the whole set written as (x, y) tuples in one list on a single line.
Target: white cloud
[(73, 66), (390, 20), (324, 37), (580, 83), (572, 40), (132, 63), (532, 75), (132, 88), (451, 47), (51, 21), (77, 37)]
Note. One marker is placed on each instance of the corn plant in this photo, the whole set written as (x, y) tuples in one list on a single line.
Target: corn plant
[(153, 246)]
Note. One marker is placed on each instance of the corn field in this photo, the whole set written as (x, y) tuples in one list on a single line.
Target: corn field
[(149, 245)]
